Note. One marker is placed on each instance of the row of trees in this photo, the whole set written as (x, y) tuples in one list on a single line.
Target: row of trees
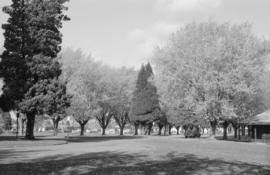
[(98, 91), (207, 74)]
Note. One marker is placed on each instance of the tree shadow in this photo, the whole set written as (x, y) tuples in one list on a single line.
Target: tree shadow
[(232, 139), (70, 138), (91, 138), (8, 153), (123, 163), (10, 138)]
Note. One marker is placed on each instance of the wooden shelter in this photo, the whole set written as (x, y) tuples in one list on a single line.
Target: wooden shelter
[(260, 124)]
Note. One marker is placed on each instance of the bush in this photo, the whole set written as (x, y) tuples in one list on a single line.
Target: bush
[(192, 131)]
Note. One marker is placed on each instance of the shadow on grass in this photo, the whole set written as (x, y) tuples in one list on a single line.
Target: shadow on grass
[(8, 153), (121, 163), (232, 138), (10, 138), (70, 138), (91, 138)]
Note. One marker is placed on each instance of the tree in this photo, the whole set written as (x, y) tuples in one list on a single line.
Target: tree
[(81, 111), (23, 120), (104, 115), (91, 87), (57, 102), (122, 117), (145, 98), (32, 42), (205, 65), (124, 80)]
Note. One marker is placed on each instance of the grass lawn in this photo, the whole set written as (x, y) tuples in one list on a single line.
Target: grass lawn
[(132, 155)]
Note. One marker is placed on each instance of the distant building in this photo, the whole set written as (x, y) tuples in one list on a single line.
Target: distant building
[(260, 124)]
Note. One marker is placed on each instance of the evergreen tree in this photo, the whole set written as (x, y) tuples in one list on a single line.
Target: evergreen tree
[(32, 42), (145, 100)]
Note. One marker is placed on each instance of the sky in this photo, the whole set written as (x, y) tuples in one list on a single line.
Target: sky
[(124, 32)]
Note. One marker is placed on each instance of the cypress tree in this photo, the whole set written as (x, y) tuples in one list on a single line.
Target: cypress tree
[(145, 100)]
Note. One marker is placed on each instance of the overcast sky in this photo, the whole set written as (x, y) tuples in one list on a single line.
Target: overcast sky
[(124, 32)]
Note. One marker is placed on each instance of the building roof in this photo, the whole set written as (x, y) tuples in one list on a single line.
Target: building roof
[(261, 119)]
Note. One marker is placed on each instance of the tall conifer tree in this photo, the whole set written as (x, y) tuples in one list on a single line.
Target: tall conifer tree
[(29, 65), (145, 100)]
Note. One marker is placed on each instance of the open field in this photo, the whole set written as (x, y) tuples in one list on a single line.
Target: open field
[(133, 155)]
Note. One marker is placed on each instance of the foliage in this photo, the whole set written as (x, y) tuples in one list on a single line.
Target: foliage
[(145, 98), (13, 58), (57, 101), (81, 111), (104, 115), (125, 81), (204, 67), (102, 90)]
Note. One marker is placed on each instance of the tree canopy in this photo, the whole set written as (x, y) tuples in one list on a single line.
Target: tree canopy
[(206, 66), (145, 98)]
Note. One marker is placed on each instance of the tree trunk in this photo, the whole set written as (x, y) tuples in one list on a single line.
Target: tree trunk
[(160, 126), (165, 129), (23, 120), (170, 127), (243, 130), (17, 124), (55, 126), (225, 127), (29, 135), (177, 128), (136, 126), (239, 134), (235, 130), (213, 128), (103, 131), (149, 128), (82, 129), (145, 129), (249, 131), (121, 131)]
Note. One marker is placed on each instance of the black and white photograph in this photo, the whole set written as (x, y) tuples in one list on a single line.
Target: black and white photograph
[(135, 87)]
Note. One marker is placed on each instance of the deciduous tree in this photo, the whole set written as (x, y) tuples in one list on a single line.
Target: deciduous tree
[(205, 65)]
